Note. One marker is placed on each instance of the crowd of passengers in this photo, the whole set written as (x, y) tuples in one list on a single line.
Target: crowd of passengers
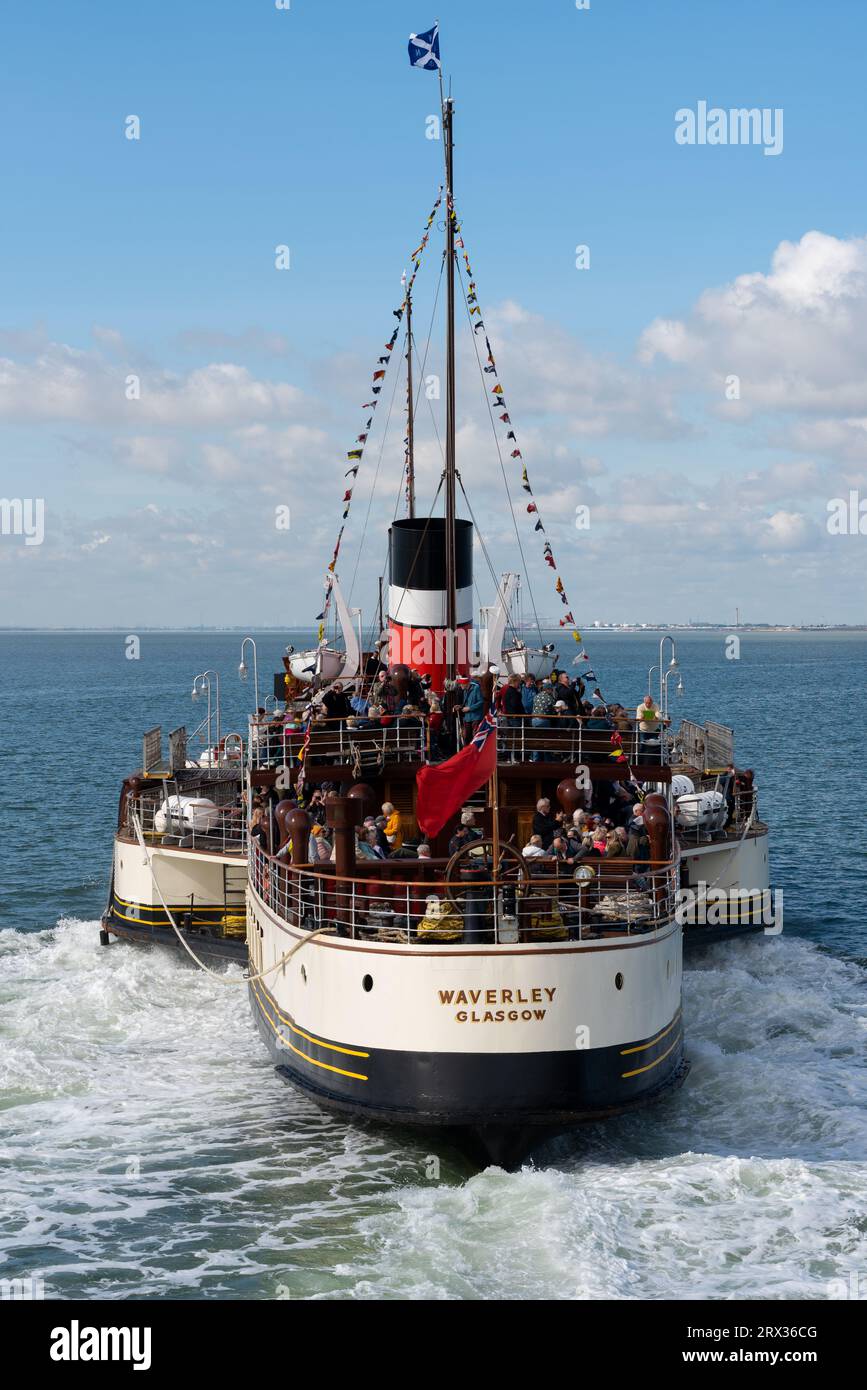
[(378, 837), (615, 827), (405, 701)]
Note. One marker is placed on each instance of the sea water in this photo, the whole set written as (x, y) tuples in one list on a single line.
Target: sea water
[(148, 1148)]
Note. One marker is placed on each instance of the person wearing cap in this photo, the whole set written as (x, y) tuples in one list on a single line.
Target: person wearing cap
[(472, 709), (318, 846), (543, 709), (562, 713)]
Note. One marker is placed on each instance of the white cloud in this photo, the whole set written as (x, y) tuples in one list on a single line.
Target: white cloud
[(795, 337), (95, 543), (216, 447), (786, 531), (549, 371), (65, 383)]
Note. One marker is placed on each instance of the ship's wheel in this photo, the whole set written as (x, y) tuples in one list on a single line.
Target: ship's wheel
[(511, 871)]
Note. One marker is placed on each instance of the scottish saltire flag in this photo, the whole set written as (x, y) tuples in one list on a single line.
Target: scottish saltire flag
[(424, 49)]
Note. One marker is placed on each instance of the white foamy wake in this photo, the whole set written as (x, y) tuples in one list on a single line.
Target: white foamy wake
[(149, 1149)]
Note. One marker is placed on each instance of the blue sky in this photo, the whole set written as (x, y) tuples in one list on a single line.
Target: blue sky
[(307, 127)]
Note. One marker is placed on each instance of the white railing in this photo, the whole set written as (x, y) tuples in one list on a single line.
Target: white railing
[(365, 743), (567, 739), (544, 906), (226, 831), (357, 742), (736, 818)]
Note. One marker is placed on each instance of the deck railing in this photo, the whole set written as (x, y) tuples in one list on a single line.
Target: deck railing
[(360, 743), (738, 815), (364, 743), (225, 832), (574, 739), (406, 902)]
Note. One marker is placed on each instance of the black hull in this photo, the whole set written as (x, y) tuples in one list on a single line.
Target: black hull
[(501, 1105), (207, 947), (695, 937)]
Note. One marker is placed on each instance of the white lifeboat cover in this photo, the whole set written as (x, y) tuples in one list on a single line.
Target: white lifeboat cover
[(192, 812), (702, 809), (681, 785)]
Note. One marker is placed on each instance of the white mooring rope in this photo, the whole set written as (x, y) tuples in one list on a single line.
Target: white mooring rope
[(221, 979)]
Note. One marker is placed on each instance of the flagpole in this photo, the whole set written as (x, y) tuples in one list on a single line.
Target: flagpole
[(494, 798), (410, 423), (451, 559)]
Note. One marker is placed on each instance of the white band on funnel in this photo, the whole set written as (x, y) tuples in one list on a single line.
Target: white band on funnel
[(427, 607)]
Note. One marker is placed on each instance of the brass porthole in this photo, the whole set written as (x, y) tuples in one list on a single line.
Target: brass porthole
[(618, 981), (367, 984)]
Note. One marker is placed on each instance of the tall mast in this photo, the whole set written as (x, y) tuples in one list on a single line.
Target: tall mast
[(410, 423), (451, 560)]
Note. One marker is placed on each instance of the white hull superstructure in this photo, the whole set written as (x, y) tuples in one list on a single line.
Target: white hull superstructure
[(488, 1037), (180, 862), (204, 891)]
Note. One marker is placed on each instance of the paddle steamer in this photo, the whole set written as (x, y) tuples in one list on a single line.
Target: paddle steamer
[(476, 989), (179, 860), (480, 989)]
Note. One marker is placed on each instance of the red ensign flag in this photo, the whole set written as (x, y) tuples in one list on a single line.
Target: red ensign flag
[(442, 790)]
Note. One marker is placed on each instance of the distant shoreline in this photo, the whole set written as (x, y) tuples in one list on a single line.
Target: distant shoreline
[(630, 630)]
